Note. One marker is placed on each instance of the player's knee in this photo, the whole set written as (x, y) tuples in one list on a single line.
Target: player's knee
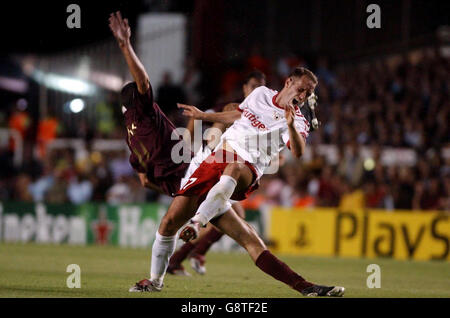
[(168, 226), (234, 170), (253, 238), (217, 195), (249, 238)]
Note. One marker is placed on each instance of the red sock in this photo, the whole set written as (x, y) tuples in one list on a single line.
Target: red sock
[(180, 255), (271, 265), (207, 240)]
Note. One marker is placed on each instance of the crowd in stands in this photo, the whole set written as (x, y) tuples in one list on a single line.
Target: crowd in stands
[(376, 104)]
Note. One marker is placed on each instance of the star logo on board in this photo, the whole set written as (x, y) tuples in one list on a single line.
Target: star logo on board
[(102, 227)]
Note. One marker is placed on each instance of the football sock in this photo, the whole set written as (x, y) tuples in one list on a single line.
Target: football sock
[(179, 256), (206, 241), (216, 201), (163, 248), (271, 265)]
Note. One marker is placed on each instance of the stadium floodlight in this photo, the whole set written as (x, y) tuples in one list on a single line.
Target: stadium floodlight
[(76, 105), (369, 164), (106, 80), (63, 83)]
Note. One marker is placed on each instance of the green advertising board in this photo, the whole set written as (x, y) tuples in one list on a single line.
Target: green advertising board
[(126, 225)]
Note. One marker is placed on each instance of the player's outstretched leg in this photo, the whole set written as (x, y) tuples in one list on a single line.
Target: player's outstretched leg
[(246, 236)]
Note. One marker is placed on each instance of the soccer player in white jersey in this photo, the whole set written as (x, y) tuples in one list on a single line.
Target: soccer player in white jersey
[(196, 250), (257, 137), (233, 180)]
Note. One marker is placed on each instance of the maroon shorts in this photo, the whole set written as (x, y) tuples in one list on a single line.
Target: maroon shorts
[(209, 173)]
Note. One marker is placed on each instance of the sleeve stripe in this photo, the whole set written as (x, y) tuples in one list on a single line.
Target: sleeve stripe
[(239, 109)]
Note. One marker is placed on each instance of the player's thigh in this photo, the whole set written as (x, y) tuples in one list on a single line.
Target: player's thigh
[(241, 173), (180, 211)]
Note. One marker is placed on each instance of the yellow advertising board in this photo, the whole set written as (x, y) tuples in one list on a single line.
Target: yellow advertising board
[(418, 235)]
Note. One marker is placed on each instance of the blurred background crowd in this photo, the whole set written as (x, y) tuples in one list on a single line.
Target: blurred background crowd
[(368, 108)]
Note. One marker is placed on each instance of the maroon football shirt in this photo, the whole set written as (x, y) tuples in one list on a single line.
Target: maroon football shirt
[(149, 139)]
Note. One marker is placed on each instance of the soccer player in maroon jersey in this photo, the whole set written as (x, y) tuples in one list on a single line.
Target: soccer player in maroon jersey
[(196, 250), (149, 130), (145, 119)]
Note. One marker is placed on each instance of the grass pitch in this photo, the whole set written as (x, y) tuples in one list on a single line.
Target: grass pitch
[(31, 270)]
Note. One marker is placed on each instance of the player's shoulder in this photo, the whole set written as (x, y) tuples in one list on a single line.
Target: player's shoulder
[(264, 90)]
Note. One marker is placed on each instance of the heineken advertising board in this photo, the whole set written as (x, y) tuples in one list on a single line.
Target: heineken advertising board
[(130, 225), (124, 225)]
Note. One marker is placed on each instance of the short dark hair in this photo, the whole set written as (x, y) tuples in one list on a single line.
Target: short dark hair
[(128, 94), (303, 71), (256, 74)]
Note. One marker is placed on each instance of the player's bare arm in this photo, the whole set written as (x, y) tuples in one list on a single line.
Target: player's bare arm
[(297, 142), (122, 32), (230, 106), (190, 127), (226, 118), (211, 136)]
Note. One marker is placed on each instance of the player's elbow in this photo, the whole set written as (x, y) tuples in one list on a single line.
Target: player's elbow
[(297, 153), (143, 84)]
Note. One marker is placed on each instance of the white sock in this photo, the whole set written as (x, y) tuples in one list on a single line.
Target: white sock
[(162, 250), (216, 201)]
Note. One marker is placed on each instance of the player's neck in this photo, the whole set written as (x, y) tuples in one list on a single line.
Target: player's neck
[(278, 100)]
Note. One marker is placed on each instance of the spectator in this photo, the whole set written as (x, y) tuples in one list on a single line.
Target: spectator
[(21, 188), (191, 82), (20, 121), (119, 193), (120, 166), (48, 129), (168, 95), (80, 189), (57, 193), (39, 188)]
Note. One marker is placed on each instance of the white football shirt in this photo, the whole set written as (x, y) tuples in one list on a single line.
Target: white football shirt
[(261, 132)]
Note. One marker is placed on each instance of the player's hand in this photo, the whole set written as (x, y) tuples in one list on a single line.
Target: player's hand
[(289, 113), (191, 111), (120, 28)]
